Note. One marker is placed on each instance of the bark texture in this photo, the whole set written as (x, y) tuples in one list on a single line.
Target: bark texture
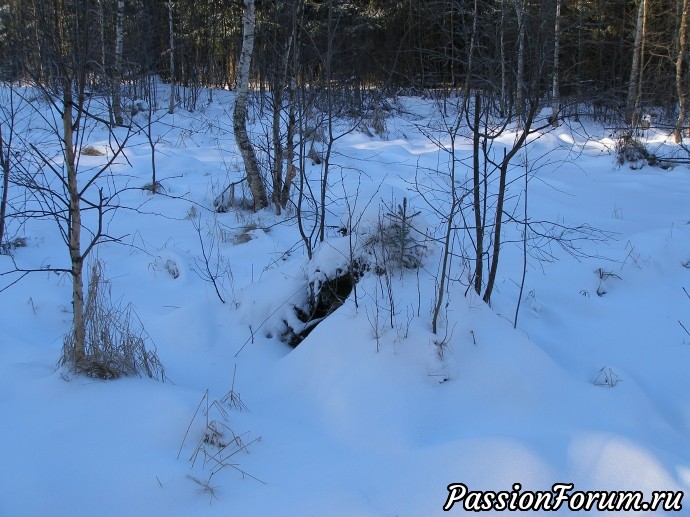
[(256, 184)]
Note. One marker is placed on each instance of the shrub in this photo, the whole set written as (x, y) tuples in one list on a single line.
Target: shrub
[(632, 151)]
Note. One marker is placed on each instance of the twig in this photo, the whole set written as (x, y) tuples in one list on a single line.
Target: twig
[(191, 422), (685, 329)]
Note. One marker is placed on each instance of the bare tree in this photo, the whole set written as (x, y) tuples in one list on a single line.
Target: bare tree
[(456, 199), (8, 118), (449, 185), (502, 165), (295, 40), (283, 40), (62, 190), (305, 193), (153, 137), (291, 171), (327, 62), (479, 191), (5, 164)]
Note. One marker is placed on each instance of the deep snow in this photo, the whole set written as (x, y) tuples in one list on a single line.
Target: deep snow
[(342, 425)]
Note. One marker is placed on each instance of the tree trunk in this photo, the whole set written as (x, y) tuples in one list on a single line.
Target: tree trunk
[(470, 54), (503, 102), (291, 171), (279, 83), (303, 185), (171, 34), (328, 73), (580, 55), (680, 58), (478, 212), (643, 45), (74, 215), (326, 166), (74, 224), (633, 86), (104, 59), (256, 184), (277, 148), (117, 67), (520, 94), (507, 156), (447, 242), (290, 147), (5, 157), (555, 83), (7, 133), (447, 239)]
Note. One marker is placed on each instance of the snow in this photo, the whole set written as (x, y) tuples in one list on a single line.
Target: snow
[(363, 418)]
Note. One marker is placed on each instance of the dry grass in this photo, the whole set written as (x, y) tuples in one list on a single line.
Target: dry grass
[(7, 247), (89, 150), (115, 343), (154, 188)]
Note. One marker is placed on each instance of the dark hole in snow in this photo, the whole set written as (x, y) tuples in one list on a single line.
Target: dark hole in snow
[(324, 298)]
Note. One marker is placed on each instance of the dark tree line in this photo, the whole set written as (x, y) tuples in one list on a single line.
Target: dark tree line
[(503, 46)]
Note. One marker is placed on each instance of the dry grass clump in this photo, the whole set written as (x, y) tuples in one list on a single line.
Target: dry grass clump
[(115, 342), (7, 247), (90, 150)]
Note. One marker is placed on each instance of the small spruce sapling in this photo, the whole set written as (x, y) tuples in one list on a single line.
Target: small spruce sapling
[(398, 238)]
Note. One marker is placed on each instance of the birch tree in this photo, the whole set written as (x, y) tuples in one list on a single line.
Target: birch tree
[(555, 83), (171, 36), (680, 60), (520, 72), (59, 188), (503, 101), (8, 114), (254, 179), (634, 92), (117, 67)]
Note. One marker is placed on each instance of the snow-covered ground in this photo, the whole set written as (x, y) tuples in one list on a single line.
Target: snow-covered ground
[(362, 418)]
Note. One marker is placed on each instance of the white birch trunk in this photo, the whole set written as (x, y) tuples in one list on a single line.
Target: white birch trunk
[(643, 45), (504, 72), (103, 52), (633, 85), (256, 184), (520, 94), (279, 83), (74, 224), (680, 58), (473, 44), (555, 84), (117, 67), (171, 103)]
